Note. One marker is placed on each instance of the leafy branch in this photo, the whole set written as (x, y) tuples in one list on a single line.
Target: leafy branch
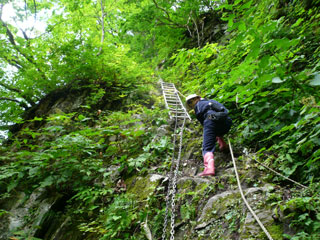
[(168, 18), (21, 94), (11, 39), (22, 104)]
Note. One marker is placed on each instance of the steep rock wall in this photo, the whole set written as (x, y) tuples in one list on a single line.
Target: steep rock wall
[(206, 208)]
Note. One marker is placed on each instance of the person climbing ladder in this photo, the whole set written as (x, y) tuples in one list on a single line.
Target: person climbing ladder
[(214, 118)]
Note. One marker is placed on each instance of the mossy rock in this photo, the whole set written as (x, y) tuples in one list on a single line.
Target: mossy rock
[(142, 187)]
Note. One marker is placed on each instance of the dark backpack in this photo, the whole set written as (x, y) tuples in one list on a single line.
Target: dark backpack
[(220, 113)]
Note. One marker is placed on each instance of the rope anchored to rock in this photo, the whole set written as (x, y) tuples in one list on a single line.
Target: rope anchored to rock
[(277, 173), (244, 198)]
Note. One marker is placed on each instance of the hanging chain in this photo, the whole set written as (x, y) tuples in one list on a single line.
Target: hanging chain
[(175, 163), (174, 181), (170, 178)]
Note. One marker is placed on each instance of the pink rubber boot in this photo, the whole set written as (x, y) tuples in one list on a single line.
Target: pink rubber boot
[(208, 160), (222, 144)]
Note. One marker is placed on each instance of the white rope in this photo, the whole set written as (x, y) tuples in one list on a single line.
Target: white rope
[(279, 174), (243, 197), (181, 93)]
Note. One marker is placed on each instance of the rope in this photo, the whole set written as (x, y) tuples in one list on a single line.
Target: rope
[(279, 174), (243, 197), (181, 94)]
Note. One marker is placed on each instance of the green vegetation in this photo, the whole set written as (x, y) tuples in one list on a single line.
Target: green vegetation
[(77, 96)]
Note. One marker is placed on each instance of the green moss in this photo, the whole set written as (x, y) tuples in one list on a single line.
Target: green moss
[(141, 187), (221, 206), (276, 231), (201, 187), (187, 184)]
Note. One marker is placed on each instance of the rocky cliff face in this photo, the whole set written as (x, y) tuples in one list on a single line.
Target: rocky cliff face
[(206, 208)]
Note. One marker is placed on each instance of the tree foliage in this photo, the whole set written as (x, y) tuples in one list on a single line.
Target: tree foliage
[(266, 74), (79, 46), (260, 58)]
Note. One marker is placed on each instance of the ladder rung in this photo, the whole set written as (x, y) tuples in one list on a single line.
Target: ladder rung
[(173, 101), (178, 114), (179, 117), (172, 98), (170, 88), (179, 111), (171, 95)]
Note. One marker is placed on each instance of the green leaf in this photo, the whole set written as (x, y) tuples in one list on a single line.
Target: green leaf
[(83, 118), (12, 185), (297, 23), (47, 182), (242, 26), (230, 22), (316, 80), (37, 119), (276, 80), (246, 5)]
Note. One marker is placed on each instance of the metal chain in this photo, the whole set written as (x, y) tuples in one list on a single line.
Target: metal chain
[(174, 169), (174, 181), (170, 178)]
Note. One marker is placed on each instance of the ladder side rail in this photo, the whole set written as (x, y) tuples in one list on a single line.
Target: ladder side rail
[(183, 105), (165, 100), (173, 101)]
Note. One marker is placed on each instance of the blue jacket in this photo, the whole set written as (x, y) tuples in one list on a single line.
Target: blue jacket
[(205, 107)]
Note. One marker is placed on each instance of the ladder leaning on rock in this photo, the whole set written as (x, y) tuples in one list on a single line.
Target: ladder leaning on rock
[(176, 111), (173, 101)]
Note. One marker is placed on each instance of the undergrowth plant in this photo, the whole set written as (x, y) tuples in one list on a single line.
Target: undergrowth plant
[(264, 73), (267, 73), (84, 155)]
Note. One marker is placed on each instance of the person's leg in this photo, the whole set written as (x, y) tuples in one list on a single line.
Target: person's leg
[(209, 137), (223, 147), (222, 129), (208, 147)]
